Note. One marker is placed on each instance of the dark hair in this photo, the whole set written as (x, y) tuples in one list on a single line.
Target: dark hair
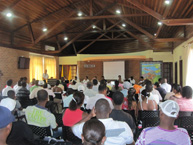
[(9, 82), (36, 82), (73, 82), (103, 82), (187, 92), (23, 84), (93, 132), (42, 95), (178, 88), (89, 85), (45, 85), (11, 94), (149, 86), (102, 87), (78, 98), (95, 82), (102, 106), (86, 77), (131, 94), (57, 82), (69, 91), (160, 80), (75, 77), (131, 77), (145, 93), (25, 78), (19, 83), (142, 77), (119, 75), (118, 98), (116, 85), (156, 84)]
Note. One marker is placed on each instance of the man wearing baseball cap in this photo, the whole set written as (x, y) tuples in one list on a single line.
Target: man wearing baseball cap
[(6, 119), (165, 133)]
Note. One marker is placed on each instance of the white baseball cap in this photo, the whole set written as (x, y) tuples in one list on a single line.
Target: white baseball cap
[(41, 82), (8, 103), (170, 108)]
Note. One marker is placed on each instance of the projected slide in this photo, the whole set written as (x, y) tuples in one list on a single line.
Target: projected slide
[(111, 69)]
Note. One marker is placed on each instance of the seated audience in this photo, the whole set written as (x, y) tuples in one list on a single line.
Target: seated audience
[(118, 114), (141, 81), (95, 85), (7, 88), (35, 90), (23, 92), (57, 88), (93, 133), (126, 86), (165, 133), (130, 102), (101, 95), (68, 98), (34, 86), (161, 90), (120, 80), (63, 82), (89, 91), (146, 103), (166, 86), (177, 92), (132, 81), (25, 80), (117, 132), (17, 87), (6, 120), (116, 87), (73, 114), (31, 84), (73, 85), (38, 115), (85, 81), (186, 102), (49, 91)]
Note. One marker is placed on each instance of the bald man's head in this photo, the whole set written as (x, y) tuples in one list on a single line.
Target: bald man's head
[(102, 108), (42, 95)]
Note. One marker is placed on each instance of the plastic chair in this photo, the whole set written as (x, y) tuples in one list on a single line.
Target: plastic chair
[(185, 113), (150, 122), (69, 136), (58, 95), (147, 114), (25, 101), (40, 131), (59, 119)]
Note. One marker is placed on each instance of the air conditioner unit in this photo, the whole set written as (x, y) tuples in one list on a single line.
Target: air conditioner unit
[(49, 48)]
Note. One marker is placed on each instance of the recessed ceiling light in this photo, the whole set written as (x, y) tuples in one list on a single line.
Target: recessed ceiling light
[(118, 11), (9, 14), (155, 34), (44, 29), (167, 2), (123, 25), (159, 23), (80, 14), (93, 26), (65, 38)]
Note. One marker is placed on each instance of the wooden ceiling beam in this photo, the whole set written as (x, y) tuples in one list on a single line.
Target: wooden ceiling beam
[(57, 42), (31, 33), (77, 37), (170, 39), (74, 47), (146, 9), (91, 8), (112, 39), (178, 22), (114, 24)]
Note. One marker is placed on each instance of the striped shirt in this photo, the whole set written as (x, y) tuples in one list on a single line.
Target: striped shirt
[(159, 136)]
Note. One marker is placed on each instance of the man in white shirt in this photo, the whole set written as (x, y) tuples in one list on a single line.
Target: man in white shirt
[(89, 91), (95, 85), (166, 86), (7, 88), (86, 80), (102, 95), (45, 75), (117, 132), (33, 94), (132, 81), (49, 91)]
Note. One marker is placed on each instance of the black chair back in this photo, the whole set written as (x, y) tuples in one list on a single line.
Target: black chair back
[(185, 113), (40, 131), (69, 136), (25, 101), (147, 114), (151, 122), (58, 95), (59, 119)]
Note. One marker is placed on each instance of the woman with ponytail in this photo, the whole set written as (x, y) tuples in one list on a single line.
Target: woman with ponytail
[(73, 114), (93, 133)]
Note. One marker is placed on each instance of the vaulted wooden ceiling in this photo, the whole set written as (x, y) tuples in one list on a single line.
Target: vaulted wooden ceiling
[(141, 32)]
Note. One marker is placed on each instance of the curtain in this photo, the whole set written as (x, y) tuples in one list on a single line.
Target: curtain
[(62, 72), (50, 66), (189, 68), (36, 67), (70, 73)]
